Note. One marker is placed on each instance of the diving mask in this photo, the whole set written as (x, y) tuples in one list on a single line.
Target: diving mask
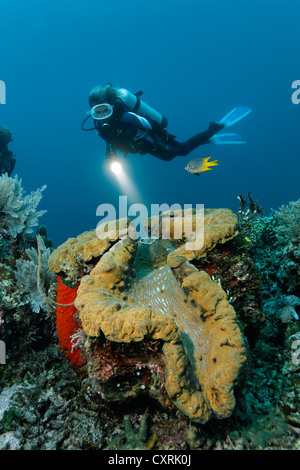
[(101, 111)]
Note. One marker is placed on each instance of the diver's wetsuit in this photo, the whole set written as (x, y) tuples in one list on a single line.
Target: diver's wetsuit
[(132, 133)]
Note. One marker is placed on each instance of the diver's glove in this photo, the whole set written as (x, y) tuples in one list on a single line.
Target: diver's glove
[(110, 152)]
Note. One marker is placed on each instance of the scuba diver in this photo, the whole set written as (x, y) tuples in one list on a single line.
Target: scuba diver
[(129, 125)]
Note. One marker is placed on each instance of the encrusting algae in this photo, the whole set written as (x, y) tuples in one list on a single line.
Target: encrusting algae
[(172, 302)]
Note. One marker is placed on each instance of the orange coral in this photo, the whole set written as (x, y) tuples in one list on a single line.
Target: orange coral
[(65, 322)]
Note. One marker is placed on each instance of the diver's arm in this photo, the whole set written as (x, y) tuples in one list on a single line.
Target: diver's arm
[(110, 150), (135, 121)]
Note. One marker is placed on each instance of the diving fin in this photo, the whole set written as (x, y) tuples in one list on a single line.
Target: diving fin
[(227, 139), (235, 115)]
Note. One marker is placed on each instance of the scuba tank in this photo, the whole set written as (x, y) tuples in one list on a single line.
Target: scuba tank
[(104, 97), (136, 105)]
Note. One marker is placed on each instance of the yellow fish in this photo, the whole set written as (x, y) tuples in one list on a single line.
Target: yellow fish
[(200, 164)]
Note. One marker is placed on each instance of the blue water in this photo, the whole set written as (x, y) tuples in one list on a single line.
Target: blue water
[(194, 60)]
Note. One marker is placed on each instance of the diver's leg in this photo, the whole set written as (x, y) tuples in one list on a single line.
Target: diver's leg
[(199, 139), (162, 149), (167, 150)]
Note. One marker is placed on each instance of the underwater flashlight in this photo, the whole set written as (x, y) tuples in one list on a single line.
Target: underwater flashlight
[(118, 172), (116, 168)]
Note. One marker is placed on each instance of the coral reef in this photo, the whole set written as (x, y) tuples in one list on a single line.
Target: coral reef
[(7, 158), (122, 394), (19, 296), (203, 350), (274, 245), (42, 407), (130, 439), (107, 403)]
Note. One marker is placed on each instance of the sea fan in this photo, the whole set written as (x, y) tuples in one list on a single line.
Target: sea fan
[(18, 212), (27, 272)]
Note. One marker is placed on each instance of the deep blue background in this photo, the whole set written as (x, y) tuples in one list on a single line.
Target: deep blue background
[(194, 60)]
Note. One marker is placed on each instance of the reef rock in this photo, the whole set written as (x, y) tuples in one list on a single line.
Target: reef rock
[(7, 158), (164, 329)]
